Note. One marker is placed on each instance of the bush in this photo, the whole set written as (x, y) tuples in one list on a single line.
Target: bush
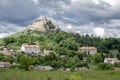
[(97, 58), (81, 64), (105, 66)]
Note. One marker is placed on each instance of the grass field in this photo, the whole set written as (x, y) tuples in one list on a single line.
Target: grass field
[(16, 74)]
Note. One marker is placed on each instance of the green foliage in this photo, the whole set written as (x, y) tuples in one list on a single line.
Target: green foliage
[(80, 55), (69, 43), (75, 77), (2, 58), (9, 58), (97, 57), (113, 53), (60, 41), (61, 50), (9, 40), (105, 66), (26, 61), (71, 53), (81, 64), (118, 56)]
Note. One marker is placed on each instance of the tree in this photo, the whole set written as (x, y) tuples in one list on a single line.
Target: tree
[(113, 53), (80, 55), (97, 57), (2, 57), (9, 58), (105, 66), (70, 63), (69, 44), (81, 64), (26, 61), (9, 40), (61, 50), (71, 53), (118, 56)]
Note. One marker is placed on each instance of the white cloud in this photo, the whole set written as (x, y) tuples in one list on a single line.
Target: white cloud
[(96, 1), (99, 31), (79, 32), (69, 19), (74, 0), (3, 35), (69, 26), (36, 1), (111, 2)]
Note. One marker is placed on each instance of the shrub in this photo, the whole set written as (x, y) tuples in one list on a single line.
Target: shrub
[(97, 58), (105, 66)]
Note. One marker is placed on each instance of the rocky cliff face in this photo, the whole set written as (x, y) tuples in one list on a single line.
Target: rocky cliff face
[(43, 25)]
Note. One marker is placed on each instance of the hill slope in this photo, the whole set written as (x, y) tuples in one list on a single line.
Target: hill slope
[(42, 32), (55, 39)]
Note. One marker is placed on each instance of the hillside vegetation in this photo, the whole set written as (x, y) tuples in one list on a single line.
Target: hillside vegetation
[(59, 39)]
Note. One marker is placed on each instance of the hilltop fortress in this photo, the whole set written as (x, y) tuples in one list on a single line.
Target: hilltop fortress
[(43, 25)]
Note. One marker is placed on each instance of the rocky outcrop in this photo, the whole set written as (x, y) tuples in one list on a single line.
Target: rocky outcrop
[(43, 25)]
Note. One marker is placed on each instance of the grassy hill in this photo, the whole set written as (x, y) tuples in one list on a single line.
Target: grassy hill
[(46, 40)]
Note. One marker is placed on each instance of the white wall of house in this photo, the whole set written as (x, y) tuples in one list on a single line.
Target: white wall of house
[(109, 61), (4, 65), (89, 51), (92, 51), (30, 49), (1, 66)]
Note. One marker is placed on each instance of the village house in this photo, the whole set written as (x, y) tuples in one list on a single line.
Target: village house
[(88, 50), (5, 65), (30, 49), (112, 61), (6, 51)]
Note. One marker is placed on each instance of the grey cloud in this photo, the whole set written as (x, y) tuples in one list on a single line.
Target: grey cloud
[(18, 11), (83, 15), (9, 28)]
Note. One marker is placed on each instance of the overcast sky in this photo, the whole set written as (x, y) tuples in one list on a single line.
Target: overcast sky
[(97, 17)]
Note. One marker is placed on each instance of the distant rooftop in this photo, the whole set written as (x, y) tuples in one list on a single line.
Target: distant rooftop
[(87, 48), (112, 59), (4, 62), (32, 46)]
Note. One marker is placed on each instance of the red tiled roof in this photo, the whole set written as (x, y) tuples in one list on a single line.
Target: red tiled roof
[(27, 45), (5, 63), (112, 59)]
